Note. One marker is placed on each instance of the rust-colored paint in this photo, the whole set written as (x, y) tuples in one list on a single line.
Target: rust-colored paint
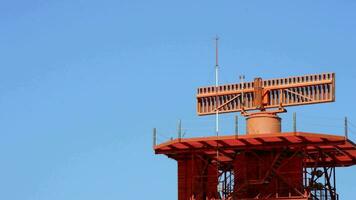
[(343, 151), (261, 173), (265, 94), (196, 178), (265, 163), (263, 123)]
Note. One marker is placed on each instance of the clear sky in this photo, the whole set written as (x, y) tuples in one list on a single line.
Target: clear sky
[(83, 82)]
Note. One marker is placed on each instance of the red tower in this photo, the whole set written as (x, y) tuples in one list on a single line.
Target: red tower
[(265, 163)]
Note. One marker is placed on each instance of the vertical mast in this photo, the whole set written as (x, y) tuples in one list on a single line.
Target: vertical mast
[(217, 85), (217, 103)]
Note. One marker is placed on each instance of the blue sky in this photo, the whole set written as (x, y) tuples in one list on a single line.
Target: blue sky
[(82, 84)]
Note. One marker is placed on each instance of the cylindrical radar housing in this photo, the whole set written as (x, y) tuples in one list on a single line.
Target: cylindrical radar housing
[(263, 123)]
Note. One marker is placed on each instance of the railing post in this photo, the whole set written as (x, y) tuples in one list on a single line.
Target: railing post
[(346, 128), (236, 126), (294, 122), (154, 137), (179, 129)]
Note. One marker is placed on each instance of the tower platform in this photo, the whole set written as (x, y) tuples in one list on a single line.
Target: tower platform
[(259, 166), (336, 151)]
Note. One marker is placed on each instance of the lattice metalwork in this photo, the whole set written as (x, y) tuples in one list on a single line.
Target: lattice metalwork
[(321, 183), (264, 94)]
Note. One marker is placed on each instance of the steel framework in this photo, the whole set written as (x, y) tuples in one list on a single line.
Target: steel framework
[(321, 183), (265, 163), (268, 166)]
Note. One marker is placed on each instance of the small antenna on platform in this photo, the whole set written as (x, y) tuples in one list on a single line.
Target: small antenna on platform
[(154, 137), (346, 128), (217, 84), (179, 128), (294, 122), (242, 82), (236, 126)]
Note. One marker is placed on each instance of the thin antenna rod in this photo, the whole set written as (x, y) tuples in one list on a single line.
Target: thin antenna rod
[(294, 122), (154, 137), (217, 100), (236, 126), (179, 129), (346, 128), (217, 84)]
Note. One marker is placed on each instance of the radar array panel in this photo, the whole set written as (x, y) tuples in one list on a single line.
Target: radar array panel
[(265, 94)]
